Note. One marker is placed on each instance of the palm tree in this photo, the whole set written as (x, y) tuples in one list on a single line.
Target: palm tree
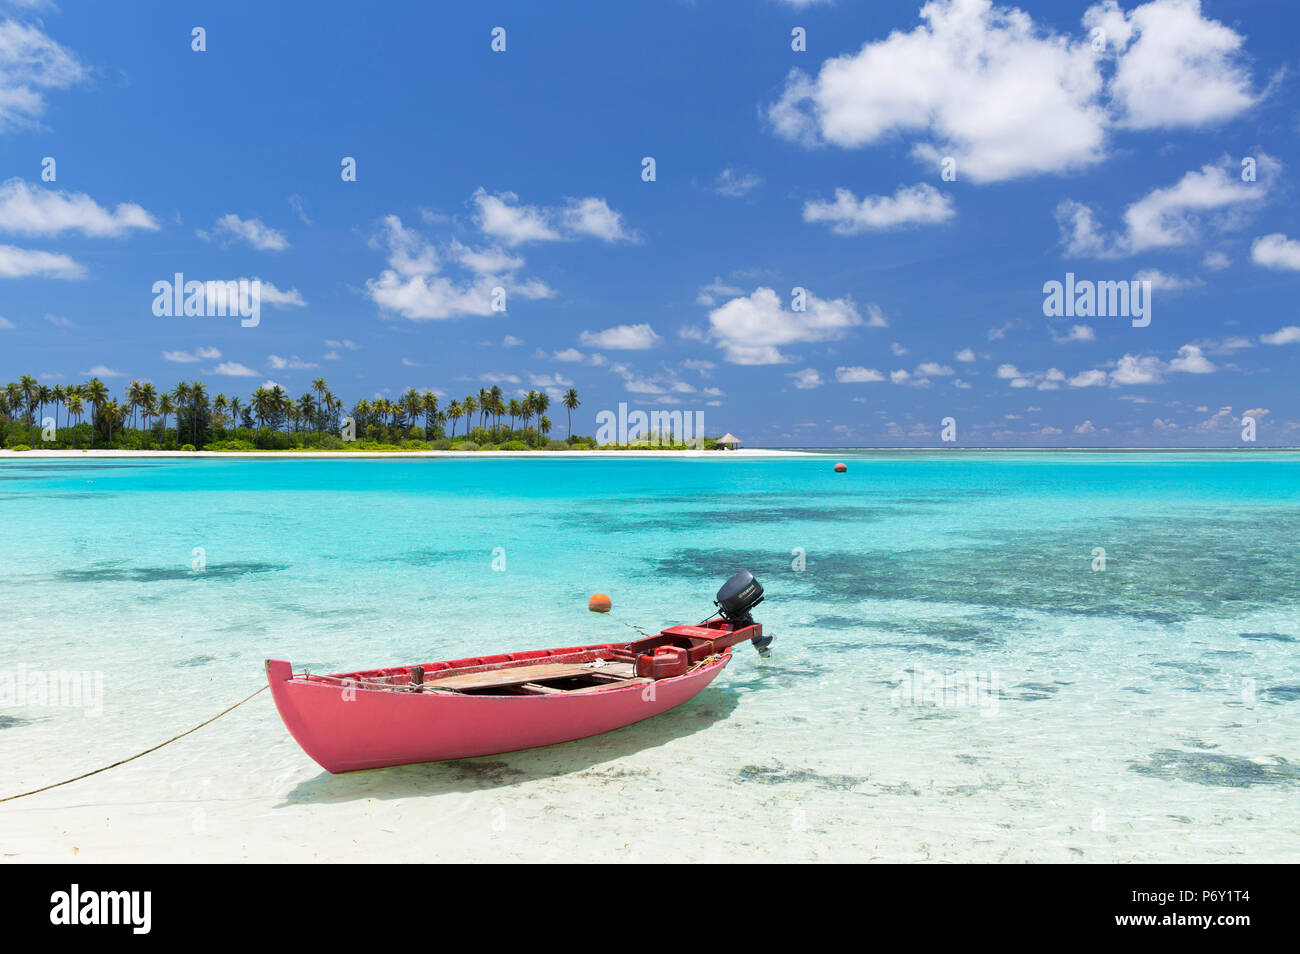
[(530, 407), (180, 401), (43, 397), (114, 413), (220, 405), (60, 395), (199, 403), (322, 390), (74, 404), (333, 405), (544, 424), (307, 407), (571, 403), (14, 399), (469, 405), (261, 405), (96, 393), (361, 415), (412, 404), (236, 406), (429, 404), (514, 409), (496, 398), (134, 398), (148, 406), (279, 403), (29, 387), (454, 411), (166, 408)]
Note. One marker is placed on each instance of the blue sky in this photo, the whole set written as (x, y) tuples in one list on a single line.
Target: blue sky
[(1103, 140)]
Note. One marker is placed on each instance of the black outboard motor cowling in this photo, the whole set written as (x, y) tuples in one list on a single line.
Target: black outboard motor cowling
[(736, 598)]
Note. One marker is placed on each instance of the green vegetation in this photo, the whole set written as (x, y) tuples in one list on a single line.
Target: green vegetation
[(187, 418)]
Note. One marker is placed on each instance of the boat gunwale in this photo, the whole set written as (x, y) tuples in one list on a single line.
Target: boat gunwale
[(443, 667), (313, 680)]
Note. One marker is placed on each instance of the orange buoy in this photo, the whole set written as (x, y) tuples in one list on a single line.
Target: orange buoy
[(600, 603), (841, 468)]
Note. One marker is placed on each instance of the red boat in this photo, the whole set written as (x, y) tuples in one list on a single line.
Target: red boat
[(491, 704)]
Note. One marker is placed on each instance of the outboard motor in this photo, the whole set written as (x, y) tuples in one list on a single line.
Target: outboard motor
[(736, 598)]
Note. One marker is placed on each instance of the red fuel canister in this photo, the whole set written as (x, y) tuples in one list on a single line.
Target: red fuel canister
[(666, 662)]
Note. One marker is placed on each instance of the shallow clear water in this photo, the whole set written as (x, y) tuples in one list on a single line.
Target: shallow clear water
[(951, 678)]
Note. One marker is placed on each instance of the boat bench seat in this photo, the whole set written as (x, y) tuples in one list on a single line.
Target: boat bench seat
[(531, 676)]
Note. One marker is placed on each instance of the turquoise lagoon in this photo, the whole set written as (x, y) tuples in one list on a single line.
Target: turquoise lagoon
[(954, 677)]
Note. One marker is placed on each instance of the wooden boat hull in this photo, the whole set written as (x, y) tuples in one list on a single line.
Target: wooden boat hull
[(345, 728)]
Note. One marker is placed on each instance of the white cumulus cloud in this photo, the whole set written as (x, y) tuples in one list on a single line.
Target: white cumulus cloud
[(32, 210), (807, 378), (1213, 197), (1283, 336), (621, 337), (858, 375), (752, 329), (1276, 251), (190, 357), (415, 285), (253, 232), (1006, 96), (233, 369), (30, 64), (1173, 67), (1191, 360), (502, 217), (921, 204), (25, 263)]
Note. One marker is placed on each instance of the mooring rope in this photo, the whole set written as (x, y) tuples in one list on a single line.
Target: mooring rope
[(633, 626), (35, 791)]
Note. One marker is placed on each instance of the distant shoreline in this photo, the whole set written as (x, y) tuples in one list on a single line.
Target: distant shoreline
[(750, 453), (948, 449)]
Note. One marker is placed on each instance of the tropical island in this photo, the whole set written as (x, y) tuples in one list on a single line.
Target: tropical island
[(187, 418)]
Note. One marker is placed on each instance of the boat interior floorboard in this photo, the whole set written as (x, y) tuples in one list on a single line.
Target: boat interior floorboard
[(543, 678)]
